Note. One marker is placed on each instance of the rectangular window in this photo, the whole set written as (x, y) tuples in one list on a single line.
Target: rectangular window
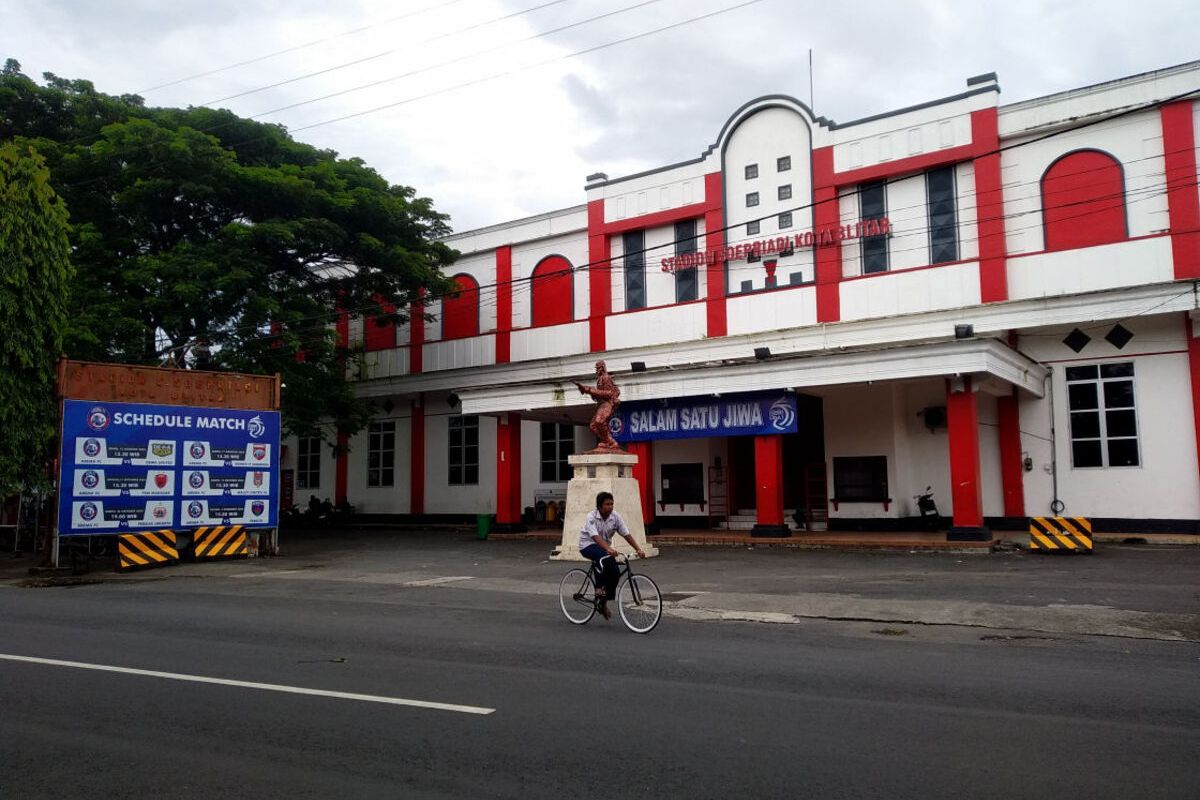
[(752, 228), (1104, 431), (682, 483), (558, 442), (861, 479), (308, 462), (687, 284), (752, 199), (381, 453), (634, 244), (464, 451), (872, 204), (783, 163), (751, 171), (785, 192), (785, 220), (943, 217)]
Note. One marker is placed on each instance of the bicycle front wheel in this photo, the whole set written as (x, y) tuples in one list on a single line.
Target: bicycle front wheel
[(577, 596), (640, 603)]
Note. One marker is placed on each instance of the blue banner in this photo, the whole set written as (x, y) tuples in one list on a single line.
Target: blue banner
[(743, 414), (132, 467)]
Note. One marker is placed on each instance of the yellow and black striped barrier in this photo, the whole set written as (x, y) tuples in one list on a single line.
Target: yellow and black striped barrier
[(148, 549), (1060, 535), (220, 541)]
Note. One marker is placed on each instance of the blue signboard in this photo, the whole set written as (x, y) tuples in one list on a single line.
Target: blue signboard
[(744, 414), (130, 467)]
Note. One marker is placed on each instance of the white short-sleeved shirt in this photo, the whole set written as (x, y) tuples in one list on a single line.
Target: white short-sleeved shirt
[(596, 525)]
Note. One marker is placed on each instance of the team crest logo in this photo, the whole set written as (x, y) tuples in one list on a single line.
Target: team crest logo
[(159, 512), (616, 425), (160, 480), (88, 512), (781, 414), (90, 479), (91, 448), (162, 449), (255, 427), (97, 418), (259, 451), (257, 479), (195, 509), (257, 508), (197, 450), (196, 480)]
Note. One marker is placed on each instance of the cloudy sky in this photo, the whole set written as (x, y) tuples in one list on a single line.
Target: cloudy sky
[(498, 109)]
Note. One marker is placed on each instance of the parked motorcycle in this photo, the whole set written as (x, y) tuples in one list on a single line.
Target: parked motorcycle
[(927, 508)]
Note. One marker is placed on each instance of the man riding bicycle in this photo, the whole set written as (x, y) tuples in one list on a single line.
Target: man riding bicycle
[(595, 543)]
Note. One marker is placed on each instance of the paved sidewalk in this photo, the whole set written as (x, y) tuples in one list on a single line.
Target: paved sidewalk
[(1128, 591)]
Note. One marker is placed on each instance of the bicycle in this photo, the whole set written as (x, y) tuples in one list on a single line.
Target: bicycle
[(638, 599)]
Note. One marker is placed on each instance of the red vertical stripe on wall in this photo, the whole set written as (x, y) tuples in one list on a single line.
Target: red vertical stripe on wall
[(989, 206), (504, 309), (962, 418), (1011, 469), (714, 242), (1183, 203), (416, 435), (508, 469), (827, 214), (416, 334), (768, 479), (599, 276), (643, 472), (342, 468), (1194, 364)]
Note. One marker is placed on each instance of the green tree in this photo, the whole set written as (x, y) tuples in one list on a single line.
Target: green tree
[(35, 270), (195, 225)]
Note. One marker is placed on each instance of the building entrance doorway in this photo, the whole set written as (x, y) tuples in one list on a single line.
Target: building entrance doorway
[(803, 462)]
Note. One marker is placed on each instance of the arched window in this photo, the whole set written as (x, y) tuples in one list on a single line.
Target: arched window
[(460, 309), (1083, 201), (553, 300), (379, 330)]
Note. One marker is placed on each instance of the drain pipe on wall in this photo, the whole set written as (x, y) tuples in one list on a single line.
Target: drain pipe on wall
[(1056, 506)]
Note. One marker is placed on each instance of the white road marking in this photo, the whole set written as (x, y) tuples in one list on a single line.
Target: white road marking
[(270, 687), (437, 581)]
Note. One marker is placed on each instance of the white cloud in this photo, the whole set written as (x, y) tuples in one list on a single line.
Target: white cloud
[(522, 144)]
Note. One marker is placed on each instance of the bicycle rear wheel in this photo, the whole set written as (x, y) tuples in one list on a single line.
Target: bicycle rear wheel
[(640, 603), (577, 596)]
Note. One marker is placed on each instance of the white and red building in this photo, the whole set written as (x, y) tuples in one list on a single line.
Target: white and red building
[(997, 301)]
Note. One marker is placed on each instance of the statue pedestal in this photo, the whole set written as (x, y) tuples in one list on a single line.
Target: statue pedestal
[(595, 473)]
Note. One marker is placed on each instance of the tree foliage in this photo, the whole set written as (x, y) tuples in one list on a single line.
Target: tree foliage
[(35, 269), (195, 225)]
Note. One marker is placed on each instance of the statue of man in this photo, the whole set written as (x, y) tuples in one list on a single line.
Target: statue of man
[(606, 393)]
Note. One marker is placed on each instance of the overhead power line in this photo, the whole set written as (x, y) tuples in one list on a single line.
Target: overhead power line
[(293, 49), (384, 53)]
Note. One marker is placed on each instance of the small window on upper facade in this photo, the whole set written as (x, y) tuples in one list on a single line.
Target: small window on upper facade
[(785, 192), (783, 163), (752, 228), (785, 220), (752, 199), (751, 171)]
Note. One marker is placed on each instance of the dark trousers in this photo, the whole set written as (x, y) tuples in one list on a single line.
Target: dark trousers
[(606, 566)]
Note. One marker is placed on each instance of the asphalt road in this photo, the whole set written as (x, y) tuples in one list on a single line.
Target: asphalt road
[(820, 709)]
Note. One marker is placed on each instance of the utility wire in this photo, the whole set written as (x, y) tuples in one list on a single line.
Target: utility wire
[(448, 62), (293, 49), (382, 54)]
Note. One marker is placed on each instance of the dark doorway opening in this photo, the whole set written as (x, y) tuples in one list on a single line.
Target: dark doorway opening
[(803, 461)]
